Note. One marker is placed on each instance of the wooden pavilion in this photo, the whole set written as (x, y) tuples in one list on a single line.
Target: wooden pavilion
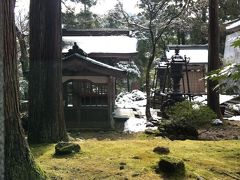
[(88, 91)]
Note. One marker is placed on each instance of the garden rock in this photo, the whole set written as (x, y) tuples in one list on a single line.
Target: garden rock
[(64, 148), (135, 174), (161, 150), (122, 165), (171, 166), (217, 122)]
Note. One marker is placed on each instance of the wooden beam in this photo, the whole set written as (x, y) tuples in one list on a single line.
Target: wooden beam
[(95, 32)]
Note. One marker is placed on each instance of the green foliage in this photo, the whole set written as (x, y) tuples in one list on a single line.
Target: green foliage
[(228, 77), (84, 19), (192, 114), (114, 19), (229, 9), (236, 43), (88, 3)]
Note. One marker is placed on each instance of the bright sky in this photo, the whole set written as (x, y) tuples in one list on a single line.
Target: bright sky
[(101, 8), (105, 5)]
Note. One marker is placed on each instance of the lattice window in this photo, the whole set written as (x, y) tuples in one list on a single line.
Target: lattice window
[(83, 93)]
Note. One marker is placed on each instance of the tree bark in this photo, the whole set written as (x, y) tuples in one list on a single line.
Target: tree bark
[(19, 163), (46, 118), (213, 56), (148, 87), (148, 92), (1, 97)]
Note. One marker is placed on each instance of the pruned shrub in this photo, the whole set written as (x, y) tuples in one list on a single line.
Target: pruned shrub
[(192, 114), (184, 119)]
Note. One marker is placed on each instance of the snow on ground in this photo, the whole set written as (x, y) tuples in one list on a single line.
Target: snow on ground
[(234, 118), (236, 107), (222, 98), (135, 125), (129, 105)]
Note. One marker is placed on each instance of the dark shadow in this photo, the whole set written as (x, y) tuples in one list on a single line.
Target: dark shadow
[(101, 135), (66, 156), (165, 176)]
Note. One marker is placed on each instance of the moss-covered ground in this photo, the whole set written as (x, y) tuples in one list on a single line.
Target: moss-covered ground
[(118, 156)]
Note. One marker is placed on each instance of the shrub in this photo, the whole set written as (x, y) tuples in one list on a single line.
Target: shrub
[(191, 114), (184, 119)]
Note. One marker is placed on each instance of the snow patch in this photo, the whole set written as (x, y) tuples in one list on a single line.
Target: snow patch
[(133, 106), (133, 100), (234, 118), (222, 98), (135, 125)]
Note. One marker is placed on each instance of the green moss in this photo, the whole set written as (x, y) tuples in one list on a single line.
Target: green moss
[(27, 171), (100, 159)]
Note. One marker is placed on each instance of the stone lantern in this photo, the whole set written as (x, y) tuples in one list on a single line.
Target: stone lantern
[(176, 68)]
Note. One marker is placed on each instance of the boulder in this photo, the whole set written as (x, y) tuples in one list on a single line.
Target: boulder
[(171, 166), (64, 148), (161, 150)]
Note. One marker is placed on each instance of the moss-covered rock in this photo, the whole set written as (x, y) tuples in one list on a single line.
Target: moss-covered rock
[(64, 148), (161, 150), (171, 166)]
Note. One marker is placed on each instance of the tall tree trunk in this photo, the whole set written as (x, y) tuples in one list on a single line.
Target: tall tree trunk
[(148, 92), (46, 118), (1, 97), (19, 162), (213, 56), (148, 88), (183, 38)]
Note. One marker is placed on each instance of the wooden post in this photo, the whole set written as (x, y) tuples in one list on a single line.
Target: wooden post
[(110, 100)]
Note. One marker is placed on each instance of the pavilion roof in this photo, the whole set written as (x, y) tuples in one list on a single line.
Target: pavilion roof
[(198, 54)]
